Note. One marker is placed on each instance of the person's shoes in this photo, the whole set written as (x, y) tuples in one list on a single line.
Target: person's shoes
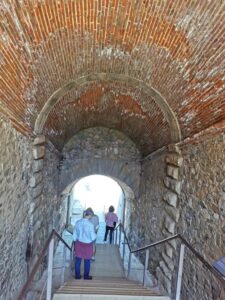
[(104, 242), (88, 278), (77, 277)]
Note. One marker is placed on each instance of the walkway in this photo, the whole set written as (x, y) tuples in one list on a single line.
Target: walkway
[(107, 262), (108, 282)]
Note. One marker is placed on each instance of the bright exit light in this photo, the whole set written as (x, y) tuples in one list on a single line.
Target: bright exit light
[(98, 192)]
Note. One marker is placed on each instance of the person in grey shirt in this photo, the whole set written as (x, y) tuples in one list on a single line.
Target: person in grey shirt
[(95, 221)]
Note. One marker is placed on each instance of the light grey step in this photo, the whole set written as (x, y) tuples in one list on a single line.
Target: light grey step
[(108, 297), (106, 288)]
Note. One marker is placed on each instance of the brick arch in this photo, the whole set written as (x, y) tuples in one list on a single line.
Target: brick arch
[(175, 131)]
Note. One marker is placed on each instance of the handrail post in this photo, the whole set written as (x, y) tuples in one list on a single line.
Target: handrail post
[(129, 265), (64, 265), (124, 243), (116, 236), (145, 266), (71, 258), (50, 266), (120, 236), (180, 271)]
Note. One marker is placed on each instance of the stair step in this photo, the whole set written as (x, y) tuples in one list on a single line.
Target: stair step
[(106, 297), (84, 283), (106, 291), (100, 280), (102, 288)]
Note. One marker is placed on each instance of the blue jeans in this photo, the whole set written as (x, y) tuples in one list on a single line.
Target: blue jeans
[(87, 265)]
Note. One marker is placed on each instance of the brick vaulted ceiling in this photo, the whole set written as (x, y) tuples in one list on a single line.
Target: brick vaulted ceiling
[(175, 47)]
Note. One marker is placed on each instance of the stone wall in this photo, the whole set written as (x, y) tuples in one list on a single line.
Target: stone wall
[(29, 205), (101, 151), (146, 218), (45, 202), (183, 192), (15, 170), (48, 208), (101, 142), (149, 219), (202, 206), (156, 212)]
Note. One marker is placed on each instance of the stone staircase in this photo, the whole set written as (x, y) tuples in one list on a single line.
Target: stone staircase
[(109, 281), (105, 288)]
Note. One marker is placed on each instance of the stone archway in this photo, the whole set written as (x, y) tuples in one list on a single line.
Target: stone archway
[(102, 151), (124, 205)]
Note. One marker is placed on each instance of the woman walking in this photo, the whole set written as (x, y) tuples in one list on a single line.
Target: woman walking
[(111, 219), (84, 236)]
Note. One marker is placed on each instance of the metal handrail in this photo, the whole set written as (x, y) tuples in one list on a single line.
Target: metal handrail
[(199, 256), (156, 243), (62, 240), (125, 236), (39, 261)]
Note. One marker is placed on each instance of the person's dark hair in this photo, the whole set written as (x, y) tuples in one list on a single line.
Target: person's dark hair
[(111, 209), (89, 208), (88, 212)]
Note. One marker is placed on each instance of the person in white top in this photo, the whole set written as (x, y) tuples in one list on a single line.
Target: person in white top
[(84, 235)]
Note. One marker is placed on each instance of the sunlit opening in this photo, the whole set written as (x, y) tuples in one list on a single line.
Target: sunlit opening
[(97, 192)]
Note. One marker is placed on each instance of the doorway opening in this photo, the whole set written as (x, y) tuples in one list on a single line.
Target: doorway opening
[(98, 192)]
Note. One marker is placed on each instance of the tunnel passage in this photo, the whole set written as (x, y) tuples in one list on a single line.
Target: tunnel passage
[(98, 192), (172, 47), (101, 151)]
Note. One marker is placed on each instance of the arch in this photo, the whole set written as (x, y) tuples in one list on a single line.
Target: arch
[(67, 190), (75, 83), (128, 173), (127, 202)]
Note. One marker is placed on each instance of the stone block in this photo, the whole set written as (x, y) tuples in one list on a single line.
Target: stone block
[(37, 225), (173, 243), (32, 208), (39, 140), (165, 269), (38, 152), (173, 185), (173, 212), (35, 179), (173, 172), (174, 148), (170, 198), (38, 165), (169, 262), (36, 191), (174, 159), (169, 224), (169, 250), (163, 281)]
